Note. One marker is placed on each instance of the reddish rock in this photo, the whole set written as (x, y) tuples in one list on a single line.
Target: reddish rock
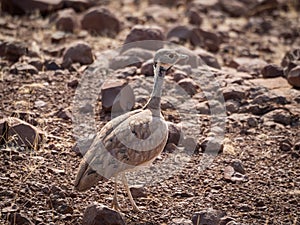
[(30, 6), (178, 75), (78, 52), (109, 92), (12, 50), (271, 71), (101, 21), (189, 85), (194, 17), (138, 192), (98, 214), (206, 39), (66, 20), (153, 34), (235, 92), (147, 68), (21, 133), (293, 77), (181, 33)]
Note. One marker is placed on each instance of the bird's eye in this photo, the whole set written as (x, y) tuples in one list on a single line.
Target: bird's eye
[(171, 56)]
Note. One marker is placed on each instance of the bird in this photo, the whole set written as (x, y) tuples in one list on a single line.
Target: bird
[(130, 140)]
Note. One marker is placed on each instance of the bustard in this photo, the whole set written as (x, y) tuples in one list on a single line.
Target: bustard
[(133, 139)]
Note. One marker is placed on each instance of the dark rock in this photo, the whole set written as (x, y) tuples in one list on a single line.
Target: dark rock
[(101, 21), (291, 60), (23, 68), (21, 133), (30, 6), (174, 133), (237, 8), (66, 20), (285, 145), (271, 71), (79, 5), (231, 175), (238, 166), (73, 83), (117, 96), (234, 92), (51, 65), (232, 106), (247, 64), (212, 145), (138, 192), (279, 116), (64, 209), (78, 52), (293, 77), (98, 214), (169, 3), (12, 50), (178, 75), (206, 39), (64, 114), (37, 63), (25, 116), (208, 217), (194, 17), (182, 33), (142, 33), (19, 219), (147, 68), (189, 85)]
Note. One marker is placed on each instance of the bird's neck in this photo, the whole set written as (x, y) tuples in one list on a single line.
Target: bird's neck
[(155, 97)]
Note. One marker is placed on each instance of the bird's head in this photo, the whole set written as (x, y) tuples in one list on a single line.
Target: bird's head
[(164, 59)]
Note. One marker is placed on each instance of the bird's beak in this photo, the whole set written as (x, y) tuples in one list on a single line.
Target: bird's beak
[(182, 57)]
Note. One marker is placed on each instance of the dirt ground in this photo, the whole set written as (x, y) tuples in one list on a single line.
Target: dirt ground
[(39, 183)]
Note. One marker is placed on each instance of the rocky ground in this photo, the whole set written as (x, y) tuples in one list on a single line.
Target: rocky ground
[(252, 48)]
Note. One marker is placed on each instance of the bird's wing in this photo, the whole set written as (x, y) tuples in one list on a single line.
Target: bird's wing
[(124, 143)]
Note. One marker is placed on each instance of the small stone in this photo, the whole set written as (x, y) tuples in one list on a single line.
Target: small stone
[(207, 58), (206, 39), (293, 77), (117, 96), (181, 221), (138, 192), (23, 68), (64, 114), (279, 116), (98, 214), (66, 20), (271, 71), (234, 92), (235, 7), (174, 133), (147, 68), (238, 166), (182, 33), (203, 108), (285, 145), (21, 133), (194, 17), (189, 85), (208, 217), (247, 64), (179, 75), (232, 106), (101, 21), (78, 52), (73, 83)]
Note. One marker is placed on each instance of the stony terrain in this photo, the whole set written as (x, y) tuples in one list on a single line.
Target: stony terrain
[(252, 49)]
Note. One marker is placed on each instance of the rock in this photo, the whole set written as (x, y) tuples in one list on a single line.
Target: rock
[(83, 145), (12, 50), (142, 33), (19, 219), (79, 5), (206, 39), (212, 145), (231, 175), (293, 77), (30, 6), (98, 214), (66, 20), (189, 85), (101, 21), (208, 58), (237, 8), (297, 146), (138, 192), (181, 221), (285, 145), (147, 68), (291, 60), (271, 71), (73, 84), (78, 52), (51, 65), (64, 114), (174, 133), (178, 75), (23, 68), (117, 96), (234, 92), (203, 108), (194, 17), (37, 63), (208, 217), (232, 106), (181, 33), (169, 3), (21, 133), (249, 65), (238, 166), (279, 116), (25, 116)]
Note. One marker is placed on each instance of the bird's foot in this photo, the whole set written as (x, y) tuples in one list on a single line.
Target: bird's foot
[(115, 205)]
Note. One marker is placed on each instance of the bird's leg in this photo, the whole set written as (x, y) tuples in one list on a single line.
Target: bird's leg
[(115, 204), (129, 193)]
